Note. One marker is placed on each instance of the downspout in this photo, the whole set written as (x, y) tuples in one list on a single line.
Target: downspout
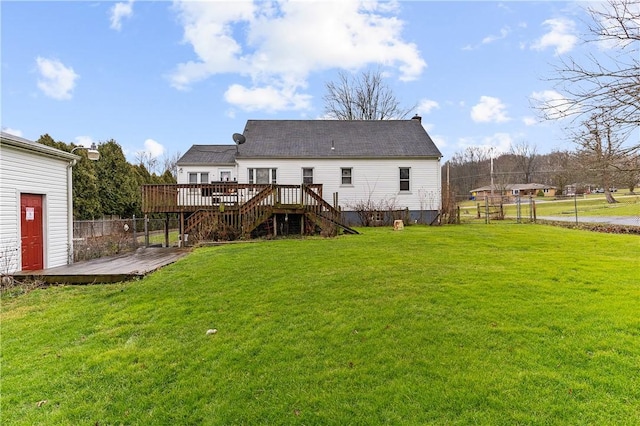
[(70, 211)]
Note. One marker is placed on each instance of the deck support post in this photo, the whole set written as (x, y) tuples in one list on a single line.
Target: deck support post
[(181, 225), (275, 226), (146, 230), (166, 229), (135, 235)]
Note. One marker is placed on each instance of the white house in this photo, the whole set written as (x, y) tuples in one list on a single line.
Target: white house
[(36, 214), (387, 164)]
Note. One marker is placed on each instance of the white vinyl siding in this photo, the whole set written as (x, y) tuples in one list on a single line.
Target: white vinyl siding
[(212, 172), (25, 172), (376, 179)]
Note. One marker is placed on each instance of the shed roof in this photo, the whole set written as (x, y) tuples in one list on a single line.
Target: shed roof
[(336, 139), (26, 144)]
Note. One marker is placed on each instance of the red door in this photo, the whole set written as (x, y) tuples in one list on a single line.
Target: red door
[(31, 225)]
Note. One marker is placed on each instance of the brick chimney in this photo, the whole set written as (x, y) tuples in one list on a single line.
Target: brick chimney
[(417, 117)]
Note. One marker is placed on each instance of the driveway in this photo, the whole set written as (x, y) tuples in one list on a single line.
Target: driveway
[(611, 220)]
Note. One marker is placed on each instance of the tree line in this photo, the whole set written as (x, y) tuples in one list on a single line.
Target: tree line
[(111, 185), (580, 171)]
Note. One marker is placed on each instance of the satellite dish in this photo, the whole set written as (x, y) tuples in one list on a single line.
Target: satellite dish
[(239, 138)]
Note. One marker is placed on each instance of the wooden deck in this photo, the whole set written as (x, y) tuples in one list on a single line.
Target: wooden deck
[(229, 210), (113, 269)]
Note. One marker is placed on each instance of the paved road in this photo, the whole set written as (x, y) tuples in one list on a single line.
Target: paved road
[(612, 220)]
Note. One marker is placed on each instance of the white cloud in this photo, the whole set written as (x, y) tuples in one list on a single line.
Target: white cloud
[(120, 11), (498, 143), (425, 106), (154, 148), (56, 80), (267, 98), (489, 110), (278, 44), (560, 36), (556, 106), (85, 141), (504, 32), (529, 121), (14, 132)]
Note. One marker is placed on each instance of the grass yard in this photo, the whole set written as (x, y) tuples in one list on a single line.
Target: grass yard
[(497, 324)]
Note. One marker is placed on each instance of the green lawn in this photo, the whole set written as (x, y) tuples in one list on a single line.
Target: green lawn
[(497, 324)]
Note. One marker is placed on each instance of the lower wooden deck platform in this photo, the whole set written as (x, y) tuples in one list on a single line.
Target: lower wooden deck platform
[(112, 269)]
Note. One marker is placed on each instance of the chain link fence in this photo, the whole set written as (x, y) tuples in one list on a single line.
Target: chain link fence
[(589, 211)]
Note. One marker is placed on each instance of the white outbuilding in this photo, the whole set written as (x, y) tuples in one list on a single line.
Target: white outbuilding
[(36, 210)]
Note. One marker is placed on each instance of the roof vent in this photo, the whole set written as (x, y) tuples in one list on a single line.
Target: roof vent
[(417, 117)]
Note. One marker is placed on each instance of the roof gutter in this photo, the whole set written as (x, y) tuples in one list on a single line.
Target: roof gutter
[(38, 147)]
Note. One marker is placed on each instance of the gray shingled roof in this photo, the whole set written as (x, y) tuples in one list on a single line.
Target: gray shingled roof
[(315, 138), (209, 154), (350, 139)]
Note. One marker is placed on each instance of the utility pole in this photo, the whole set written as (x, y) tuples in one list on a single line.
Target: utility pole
[(491, 156)]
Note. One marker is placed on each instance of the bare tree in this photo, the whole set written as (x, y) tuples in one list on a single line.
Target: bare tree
[(559, 167), (602, 150), (144, 158), (630, 175), (609, 81), (170, 164), (468, 169), (365, 97), (525, 157)]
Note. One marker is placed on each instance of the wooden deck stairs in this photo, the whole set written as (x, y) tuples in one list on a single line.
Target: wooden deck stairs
[(227, 211)]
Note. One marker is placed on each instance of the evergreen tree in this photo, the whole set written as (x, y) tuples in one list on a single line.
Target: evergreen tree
[(118, 190)]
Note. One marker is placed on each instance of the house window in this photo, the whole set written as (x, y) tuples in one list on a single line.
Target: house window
[(225, 176), (307, 176), (262, 176), (404, 178), (204, 177), (346, 176)]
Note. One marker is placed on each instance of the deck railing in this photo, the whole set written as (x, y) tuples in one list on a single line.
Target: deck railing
[(176, 198)]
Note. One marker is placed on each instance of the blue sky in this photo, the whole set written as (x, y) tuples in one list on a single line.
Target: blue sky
[(160, 76)]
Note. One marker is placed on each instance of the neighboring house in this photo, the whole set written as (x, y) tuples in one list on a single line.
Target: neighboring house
[(513, 190), (387, 164), (36, 214)]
